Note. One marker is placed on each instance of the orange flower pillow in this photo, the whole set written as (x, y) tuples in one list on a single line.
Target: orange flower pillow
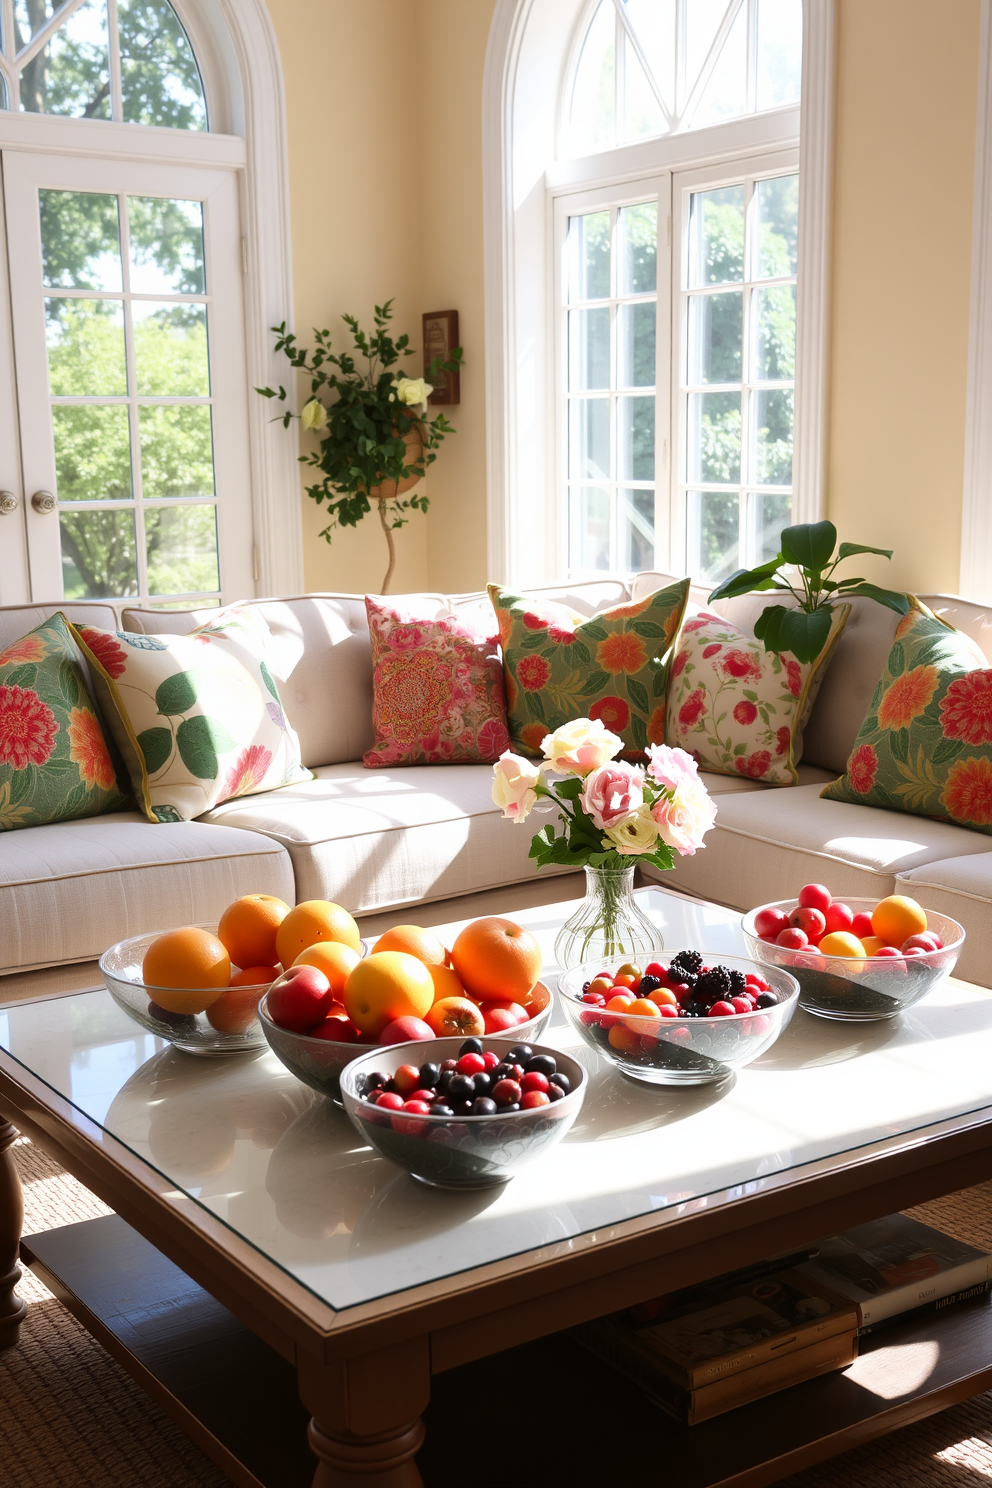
[(613, 666), (926, 745)]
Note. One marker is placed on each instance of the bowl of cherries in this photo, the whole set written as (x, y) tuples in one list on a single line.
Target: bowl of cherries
[(686, 1019), (857, 959), (463, 1113)]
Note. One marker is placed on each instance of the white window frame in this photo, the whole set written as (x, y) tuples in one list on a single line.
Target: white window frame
[(236, 50), (530, 51)]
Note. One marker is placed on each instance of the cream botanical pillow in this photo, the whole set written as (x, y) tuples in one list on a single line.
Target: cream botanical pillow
[(737, 708), (197, 717)]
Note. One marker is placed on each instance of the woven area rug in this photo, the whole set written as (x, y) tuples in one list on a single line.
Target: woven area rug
[(70, 1417)]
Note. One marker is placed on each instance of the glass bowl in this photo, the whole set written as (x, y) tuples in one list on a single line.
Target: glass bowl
[(680, 1051), (847, 987), (189, 1030), (319, 1063), (459, 1151)]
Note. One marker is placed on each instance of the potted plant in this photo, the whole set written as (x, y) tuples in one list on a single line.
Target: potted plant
[(375, 439)]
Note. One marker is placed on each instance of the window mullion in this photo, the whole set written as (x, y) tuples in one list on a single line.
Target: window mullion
[(132, 402), (114, 47)]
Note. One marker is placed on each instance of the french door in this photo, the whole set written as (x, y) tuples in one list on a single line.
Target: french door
[(123, 394)]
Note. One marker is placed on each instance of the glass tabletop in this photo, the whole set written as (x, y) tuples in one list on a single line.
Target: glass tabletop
[(285, 1170)]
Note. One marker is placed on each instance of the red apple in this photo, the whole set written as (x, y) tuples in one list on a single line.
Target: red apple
[(501, 1016), (811, 922), (768, 923), (815, 896), (913, 951), (861, 925), (926, 941), (336, 1031), (300, 999), (886, 953), (792, 938), (838, 916), (406, 1030)]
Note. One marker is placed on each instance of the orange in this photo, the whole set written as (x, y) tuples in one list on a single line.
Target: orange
[(311, 921), (185, 961), (841, 943), (896, 918), (255, 976), (496, 959), (335, 960), (623, 1039), (248, 929), (446, 984), (387, 985), (455, 1017), (235, 1010), (423, 944), (871, 944)]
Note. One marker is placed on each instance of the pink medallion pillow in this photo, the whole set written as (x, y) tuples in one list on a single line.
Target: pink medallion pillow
[(437, 683), (737, 708)]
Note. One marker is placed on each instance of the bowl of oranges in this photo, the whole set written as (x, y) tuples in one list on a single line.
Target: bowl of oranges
[(331, 1005), (856, 959), (198, 987)]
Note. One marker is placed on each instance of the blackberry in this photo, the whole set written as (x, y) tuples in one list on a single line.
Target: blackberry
[(687, 964), (714, 984), (738, 982)]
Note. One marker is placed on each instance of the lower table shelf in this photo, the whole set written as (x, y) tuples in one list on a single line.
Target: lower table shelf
[(546, 1403)]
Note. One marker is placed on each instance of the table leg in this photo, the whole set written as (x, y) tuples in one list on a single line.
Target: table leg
[(12, 1307), (366, 1424)]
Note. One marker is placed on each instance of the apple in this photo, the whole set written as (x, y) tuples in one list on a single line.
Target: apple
[(861, 926), (815, 896), (502, 1016), (406, 1030), (336, 1031), (300, 999), (792, 938), (812, 922), (768, 923), (456, 1016), (838, 916), (926, 941), (886, 952)]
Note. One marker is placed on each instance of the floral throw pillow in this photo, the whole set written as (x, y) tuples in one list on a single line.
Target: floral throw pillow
[(926, 745), (737, 708), (437, 688), (54, 761), (613, 666), (197, 717)]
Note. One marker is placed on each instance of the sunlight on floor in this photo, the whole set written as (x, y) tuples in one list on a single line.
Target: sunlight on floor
[(973, 1453)]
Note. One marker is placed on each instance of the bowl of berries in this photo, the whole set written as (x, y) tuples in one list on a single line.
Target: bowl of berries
[(687, 1019), (857, 959), (463, 1113)]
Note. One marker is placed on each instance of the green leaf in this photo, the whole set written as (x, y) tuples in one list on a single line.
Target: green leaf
[(24, 675), (270, 684), (848, 550), (533, 640), (663, 857), (809, 544), (888, 597), (870, 725), (536, 704), (803, 635), (897, 660), (638, 695), (646, 628), (579, 654), (899, 744), (194, 737), (638, 728), (594, 683), (177, 694), (746, 580), (569, 789), (156, 746), (659, 684), (594, 632), (946, 750)]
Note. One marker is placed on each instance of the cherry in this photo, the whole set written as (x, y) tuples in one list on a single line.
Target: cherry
[(390, 1100), (742, 1004), (471, 1064), (506, 1092), (655, 969), (534, 1080), (594, 999), (406, 1078), (532, 1098), (490, 1060), (721, 1010)]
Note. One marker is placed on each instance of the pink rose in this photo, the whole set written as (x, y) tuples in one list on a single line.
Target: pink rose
[(612, 794), (668, 767), (684, 817)]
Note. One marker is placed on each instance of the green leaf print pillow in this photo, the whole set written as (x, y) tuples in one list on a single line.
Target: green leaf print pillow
[(926, 745), (54, 761), (198, 718)]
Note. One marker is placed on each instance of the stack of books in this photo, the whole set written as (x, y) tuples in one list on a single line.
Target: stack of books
[(706, 1350)]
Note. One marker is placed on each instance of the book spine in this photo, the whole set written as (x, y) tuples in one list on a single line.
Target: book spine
[(938, 1304), (934, 1289), (692, 1407)]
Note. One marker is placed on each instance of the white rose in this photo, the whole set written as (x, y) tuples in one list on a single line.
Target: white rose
[(413, 390), (314, 415), (514, 779), (638, 834), (580, 747)]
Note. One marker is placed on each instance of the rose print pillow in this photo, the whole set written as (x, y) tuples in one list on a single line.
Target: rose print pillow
[(437, 688), (926, 745), (54, 761), (737, 708), (197, 717)]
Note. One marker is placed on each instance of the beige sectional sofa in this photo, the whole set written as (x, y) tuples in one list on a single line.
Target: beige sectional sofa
[(381, 839)]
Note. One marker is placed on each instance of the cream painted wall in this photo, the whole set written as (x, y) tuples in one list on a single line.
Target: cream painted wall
[(907, 73), (385, 155)]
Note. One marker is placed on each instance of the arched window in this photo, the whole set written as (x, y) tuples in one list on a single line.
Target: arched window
[(663, 191), (126, 365)]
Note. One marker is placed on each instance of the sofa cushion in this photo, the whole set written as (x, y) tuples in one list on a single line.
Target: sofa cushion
[(766, 844), (373, 839), (17, 620), (961, 888), (722, 785), (71, 889)]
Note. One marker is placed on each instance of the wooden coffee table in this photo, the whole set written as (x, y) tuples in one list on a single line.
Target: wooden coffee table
[(263, 1269)]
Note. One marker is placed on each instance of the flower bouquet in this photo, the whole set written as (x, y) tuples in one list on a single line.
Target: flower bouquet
[(610, 812)]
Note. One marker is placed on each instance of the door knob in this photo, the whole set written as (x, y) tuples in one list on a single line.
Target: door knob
[(8, 503), (43, 501)]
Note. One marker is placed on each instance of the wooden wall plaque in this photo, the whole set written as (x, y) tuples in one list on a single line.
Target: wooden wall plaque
[(440, 340)]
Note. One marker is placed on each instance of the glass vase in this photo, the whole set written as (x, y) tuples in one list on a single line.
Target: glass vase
[(607, 922)]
